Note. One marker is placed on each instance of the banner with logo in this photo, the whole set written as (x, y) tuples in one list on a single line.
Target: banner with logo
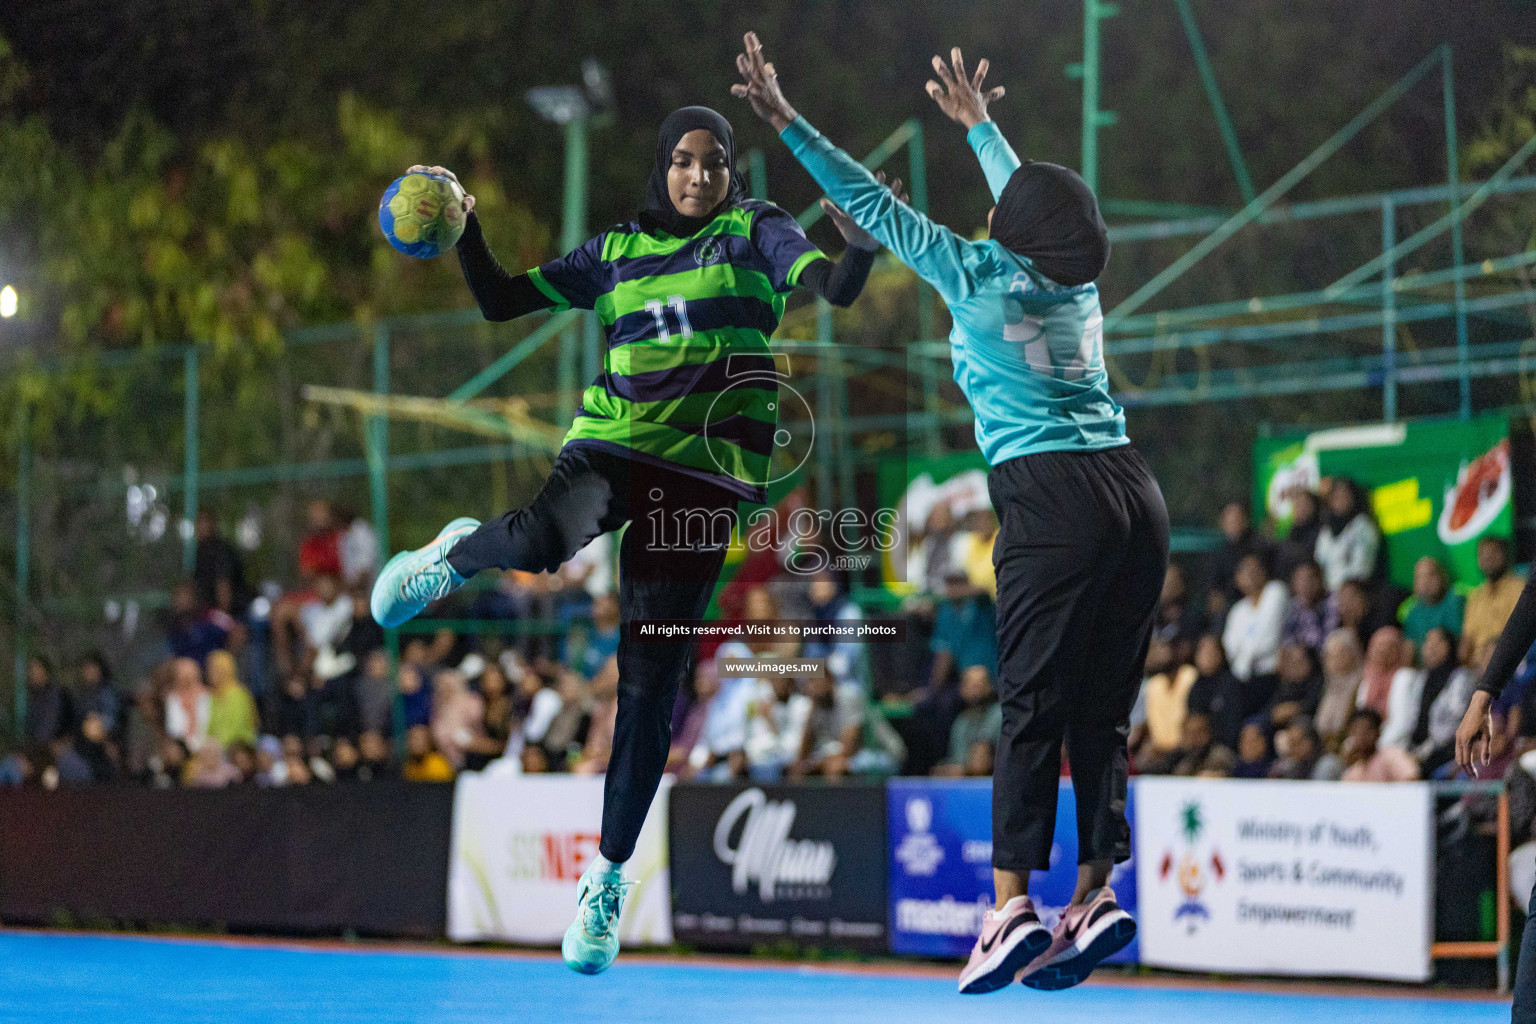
[(1436, 487), (914, 486), (520, 842), (1311, 878), (758, 865), (941, 865)]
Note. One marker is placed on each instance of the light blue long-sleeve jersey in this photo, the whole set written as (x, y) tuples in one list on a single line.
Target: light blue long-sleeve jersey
[(1028, 353)]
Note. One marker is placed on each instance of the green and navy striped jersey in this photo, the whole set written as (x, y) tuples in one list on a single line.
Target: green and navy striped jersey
[(688, 379)]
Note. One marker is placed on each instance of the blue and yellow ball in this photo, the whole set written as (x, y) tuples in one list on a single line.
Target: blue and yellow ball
[(422, 214)]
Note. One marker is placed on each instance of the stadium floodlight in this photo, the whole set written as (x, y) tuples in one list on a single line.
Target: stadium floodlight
[(561, 104), (8, 301)]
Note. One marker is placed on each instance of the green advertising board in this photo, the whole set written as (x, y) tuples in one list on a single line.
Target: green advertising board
[(913, 485), (1436, 487)]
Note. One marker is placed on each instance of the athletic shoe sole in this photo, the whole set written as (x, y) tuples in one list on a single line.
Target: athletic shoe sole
[(1005, 963), (386, 581), (1097, 944)]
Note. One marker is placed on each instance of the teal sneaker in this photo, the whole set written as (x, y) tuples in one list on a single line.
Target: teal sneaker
[(592, 940), (414, 579)]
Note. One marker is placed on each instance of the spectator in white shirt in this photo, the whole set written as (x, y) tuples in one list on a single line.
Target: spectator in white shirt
[(1255, 623), (1349, 541), (775, 728), (188, 705)]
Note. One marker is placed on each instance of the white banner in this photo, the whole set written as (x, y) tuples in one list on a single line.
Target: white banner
[(1311, 878), (521, 842)]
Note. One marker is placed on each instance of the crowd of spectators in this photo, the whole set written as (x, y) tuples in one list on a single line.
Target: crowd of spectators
[(1303, 661), (1296, 658)]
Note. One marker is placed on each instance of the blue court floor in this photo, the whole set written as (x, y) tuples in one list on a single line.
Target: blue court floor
[(95, 980)]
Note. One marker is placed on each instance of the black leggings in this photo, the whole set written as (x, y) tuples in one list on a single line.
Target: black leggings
[(669, 561), (1080, 556)]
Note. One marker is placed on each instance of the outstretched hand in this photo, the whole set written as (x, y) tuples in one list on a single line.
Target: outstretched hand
[(469, 200), (761, 85), (1474, 736), (854, 235), (961, 98)]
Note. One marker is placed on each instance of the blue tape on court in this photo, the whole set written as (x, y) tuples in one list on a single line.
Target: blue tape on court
[(66, 979)]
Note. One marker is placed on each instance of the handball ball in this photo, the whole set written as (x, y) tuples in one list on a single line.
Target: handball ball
[(422, 214)]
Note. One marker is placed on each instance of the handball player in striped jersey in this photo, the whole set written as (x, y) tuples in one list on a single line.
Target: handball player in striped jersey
[(679, 427)]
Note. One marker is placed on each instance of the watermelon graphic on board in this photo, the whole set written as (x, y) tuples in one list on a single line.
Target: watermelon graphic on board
[(1475, 502)]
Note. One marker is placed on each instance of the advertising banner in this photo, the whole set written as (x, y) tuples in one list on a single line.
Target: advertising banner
[(1311, 878), (941, 865), (757, 865), (914, 486), (1436, 487), (520, 843)]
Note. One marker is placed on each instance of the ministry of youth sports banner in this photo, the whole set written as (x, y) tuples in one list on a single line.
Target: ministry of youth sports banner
[(520, 843), (1308, 878)]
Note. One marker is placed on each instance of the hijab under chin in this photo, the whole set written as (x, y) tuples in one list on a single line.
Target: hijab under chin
[(1048, 214), (659, 213)]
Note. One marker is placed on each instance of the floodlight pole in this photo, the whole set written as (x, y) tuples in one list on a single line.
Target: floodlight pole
[(1094, 11), (573, 227)]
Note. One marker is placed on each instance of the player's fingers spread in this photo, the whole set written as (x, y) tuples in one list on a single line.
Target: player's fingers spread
[(943, 71), (959, 63), (981, 73), (768, 69), (996, 94), (934, 89)]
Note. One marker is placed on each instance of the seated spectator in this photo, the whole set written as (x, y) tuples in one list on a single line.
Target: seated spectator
[(1490, 603), (344, 760), (50, 714), (358, 549), (1239, 540), (1165, 698), (598, 747), (325, 623), (242, 756), (271, 768), (144, 726), (1302, 751), (208, 768), (1300, 543), (1343, 680), (567, 732), (543, 704), (1366, 760), (1199, 754), (191, 631), (1299, 686), (363, 635), (1388, 652), (168, 764), (458, 719), (1445, 690), (834, 730), (719, 752), (95, 695), (215, 559), (500, 713), (929, 560), (1254, 758), (1353, 607), (423, 763), (964, 632), (232, 710), (1433, 603), (320, 552), (373, 694), (415, 698), (831, 607), (188, 706), (979, 724), (776, 720), (1306, 620), (533, 760), (1215, 693), (1179, 622), (601, 640), (1252, 634), (375, 760), (1348, 543)]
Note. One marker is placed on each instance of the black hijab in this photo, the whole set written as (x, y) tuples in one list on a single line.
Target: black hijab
[(1049, 214), (659, 213)]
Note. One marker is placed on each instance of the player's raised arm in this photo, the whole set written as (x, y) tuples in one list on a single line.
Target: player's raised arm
[(934, 251), (964, 101)]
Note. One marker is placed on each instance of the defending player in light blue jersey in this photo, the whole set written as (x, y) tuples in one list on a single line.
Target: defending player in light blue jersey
[(1083, 541)]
